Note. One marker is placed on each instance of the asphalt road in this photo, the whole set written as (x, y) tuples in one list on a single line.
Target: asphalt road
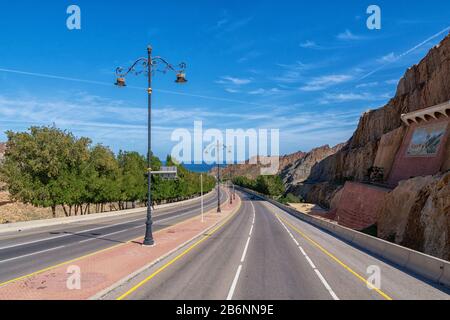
[(264, 253), (26, 252)]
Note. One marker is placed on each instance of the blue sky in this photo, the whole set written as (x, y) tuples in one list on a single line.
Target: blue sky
[(307, 69)]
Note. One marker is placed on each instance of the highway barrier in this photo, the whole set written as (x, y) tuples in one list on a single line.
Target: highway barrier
[(426, 266)]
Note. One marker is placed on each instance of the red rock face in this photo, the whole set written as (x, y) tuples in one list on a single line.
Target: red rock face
[(359, 205)]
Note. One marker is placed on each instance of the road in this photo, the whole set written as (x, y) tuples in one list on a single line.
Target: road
[(29, 251), (264, 253)]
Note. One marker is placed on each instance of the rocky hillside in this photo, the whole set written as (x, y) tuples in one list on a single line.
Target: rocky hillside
[(300, 170), (423, 85), (252, 171), (416, 214)]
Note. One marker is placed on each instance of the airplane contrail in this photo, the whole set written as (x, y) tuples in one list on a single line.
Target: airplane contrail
[(51, 76), (406, 53)]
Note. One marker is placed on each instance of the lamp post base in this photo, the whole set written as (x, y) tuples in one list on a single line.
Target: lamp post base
[(148, 243)]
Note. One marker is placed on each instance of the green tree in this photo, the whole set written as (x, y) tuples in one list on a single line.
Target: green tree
[(103, 177), (268, 185), (36, 162), (133, 184)]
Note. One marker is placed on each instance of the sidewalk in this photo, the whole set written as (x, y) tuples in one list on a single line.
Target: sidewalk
[(103, 269)]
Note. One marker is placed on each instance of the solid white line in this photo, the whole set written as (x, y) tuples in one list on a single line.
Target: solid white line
[(327, 286), (234, 284), (31, 254), (245, 250), (251, 230), (93, 229), (68, 234), (31, 242)]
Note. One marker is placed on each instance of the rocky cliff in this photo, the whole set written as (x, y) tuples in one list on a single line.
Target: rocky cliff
[(416, 214), (300, 170), (252, 171), (423, 85)]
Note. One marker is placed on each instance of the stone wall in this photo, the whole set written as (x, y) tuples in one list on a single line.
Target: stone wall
[(359, 205)]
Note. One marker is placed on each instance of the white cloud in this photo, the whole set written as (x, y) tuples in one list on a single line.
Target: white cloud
[(309, 44), (234, 81), (230, 90), (351, 96), (389, 58), (348, 35), (249, 56), (391, 81), (266, 92), (367, 85), (292, 72), (324, 82), (221, 22)]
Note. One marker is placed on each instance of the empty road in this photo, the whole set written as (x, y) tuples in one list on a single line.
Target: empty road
[(264, 253)]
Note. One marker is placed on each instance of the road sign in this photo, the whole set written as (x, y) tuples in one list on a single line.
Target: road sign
[(167, 173)]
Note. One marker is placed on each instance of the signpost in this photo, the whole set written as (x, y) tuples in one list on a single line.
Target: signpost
[(167, 173)]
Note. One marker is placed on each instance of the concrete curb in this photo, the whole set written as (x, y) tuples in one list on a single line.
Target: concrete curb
[(29, 225), (133, 275), (426, 266)]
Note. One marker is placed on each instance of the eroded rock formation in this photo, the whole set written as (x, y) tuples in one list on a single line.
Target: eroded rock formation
[(416, 214), (423, 85), (300, 170)]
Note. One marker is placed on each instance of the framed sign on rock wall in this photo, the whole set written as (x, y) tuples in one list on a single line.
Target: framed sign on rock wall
[(426, 140)]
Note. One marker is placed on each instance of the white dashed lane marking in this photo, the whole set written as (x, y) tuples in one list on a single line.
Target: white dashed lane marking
[(244, 253), (311, 263)]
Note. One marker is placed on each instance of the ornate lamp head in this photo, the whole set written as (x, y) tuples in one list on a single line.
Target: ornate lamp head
[(181, 78), (121, 82)]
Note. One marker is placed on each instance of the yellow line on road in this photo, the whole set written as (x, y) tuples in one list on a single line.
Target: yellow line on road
[(192, 247), (358, 276)]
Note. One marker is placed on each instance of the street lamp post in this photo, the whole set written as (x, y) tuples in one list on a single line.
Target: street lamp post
[(147, 65), (230, 182), (232, 177), (219, 210)]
